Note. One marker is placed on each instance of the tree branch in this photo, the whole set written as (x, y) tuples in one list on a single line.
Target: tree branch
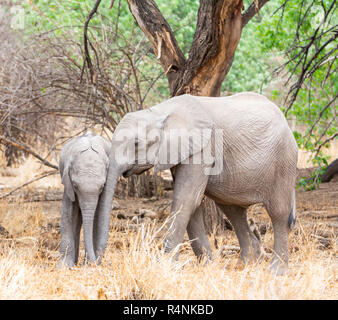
[(86, 41), (218, 31), (44, 175), (325, 142), (156, 28), (26, 148), (252, 10)]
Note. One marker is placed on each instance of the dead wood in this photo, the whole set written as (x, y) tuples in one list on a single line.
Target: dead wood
[(28, 182), (4, 233), (331, 171)]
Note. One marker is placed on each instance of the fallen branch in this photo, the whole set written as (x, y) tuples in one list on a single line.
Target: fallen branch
[(22, 239), (316, 216), (26, 148), (29, 182), (326, 242), (4, 233), (331, 170)]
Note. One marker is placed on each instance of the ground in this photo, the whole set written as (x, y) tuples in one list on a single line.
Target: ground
[(135, 267)]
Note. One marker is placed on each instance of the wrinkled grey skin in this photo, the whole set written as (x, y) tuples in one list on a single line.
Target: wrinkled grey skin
[(259, 159), (83, 167)]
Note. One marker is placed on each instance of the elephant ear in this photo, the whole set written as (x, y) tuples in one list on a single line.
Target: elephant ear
[(185, 131), (68, 184)]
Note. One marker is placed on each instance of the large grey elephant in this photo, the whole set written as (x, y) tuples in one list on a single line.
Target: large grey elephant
[(237, 150), (83, 167)]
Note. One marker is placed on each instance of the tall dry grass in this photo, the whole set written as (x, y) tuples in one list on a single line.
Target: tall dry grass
[(29, 169), (135, 267)]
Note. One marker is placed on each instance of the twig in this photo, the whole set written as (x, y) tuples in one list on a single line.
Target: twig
[(252, 10), (29, 182), (26, 148), (320, 116), (86, 41), (325, 142), (117, 19)]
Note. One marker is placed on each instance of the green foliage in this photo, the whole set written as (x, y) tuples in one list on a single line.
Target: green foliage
[(312, 182), (182, 17), (270, 39), (254, 58), (67, 17), (315, 104)]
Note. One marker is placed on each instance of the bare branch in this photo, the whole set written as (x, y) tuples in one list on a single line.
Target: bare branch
[(86, 41), (161, 37), (304, 57), (22, 146), (319, 117), (252, 10), (325, 142), (44, 175)]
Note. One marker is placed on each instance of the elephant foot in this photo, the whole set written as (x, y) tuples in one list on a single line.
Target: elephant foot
[(98, 261), (90, 262), (204, 259), (239, 265), (256, 254), (278, 267), (172, 249), (66, 262)]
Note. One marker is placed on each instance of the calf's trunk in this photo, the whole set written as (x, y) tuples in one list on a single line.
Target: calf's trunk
[(88, 213)]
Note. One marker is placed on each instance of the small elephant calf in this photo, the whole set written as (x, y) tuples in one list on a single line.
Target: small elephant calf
[(83, 167)]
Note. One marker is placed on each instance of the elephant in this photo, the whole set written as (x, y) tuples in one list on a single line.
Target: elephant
[(237, 150), (83, 168)]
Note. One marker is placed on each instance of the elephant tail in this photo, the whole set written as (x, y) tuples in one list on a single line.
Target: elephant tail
[(292, 217)]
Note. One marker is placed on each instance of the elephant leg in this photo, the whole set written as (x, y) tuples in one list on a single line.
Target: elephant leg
[(70, 227), (279, 212), (251, 248), (189, 187), (197, 235)]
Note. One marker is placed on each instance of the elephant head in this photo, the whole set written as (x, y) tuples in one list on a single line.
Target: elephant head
[(84, 166), (160, 137)]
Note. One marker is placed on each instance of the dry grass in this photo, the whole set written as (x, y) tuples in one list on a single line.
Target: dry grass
[(135, 267), (31, 168)]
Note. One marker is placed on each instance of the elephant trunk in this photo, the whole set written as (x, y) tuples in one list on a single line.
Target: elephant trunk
[(88, 214), (105, 206)]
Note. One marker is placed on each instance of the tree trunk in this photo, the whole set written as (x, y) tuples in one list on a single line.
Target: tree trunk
[(331, 170), (218, 31)]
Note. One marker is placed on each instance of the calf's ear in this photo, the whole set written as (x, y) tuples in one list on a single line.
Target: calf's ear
[(68, 185)]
